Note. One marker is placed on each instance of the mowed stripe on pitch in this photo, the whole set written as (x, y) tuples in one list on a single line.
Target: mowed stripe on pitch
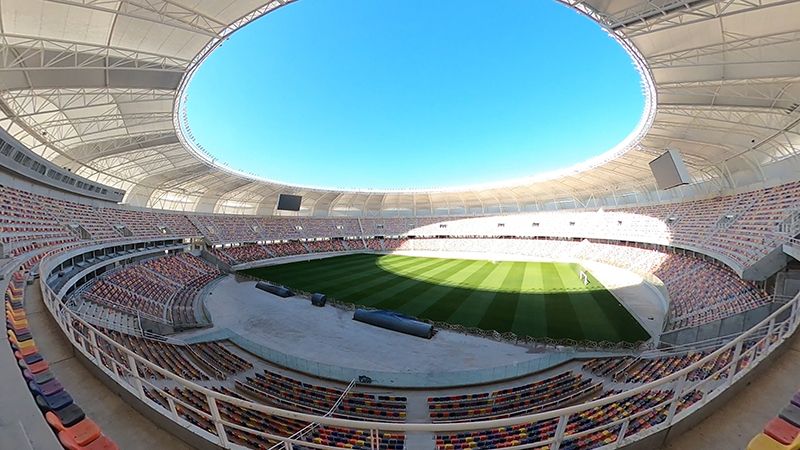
[(418, 299), (370, 274), (444, 309), (477, 304), (317, 272), (401, 294), (626, 326), (373, 291), (531, 317), (503, 308), (592, 319), (562, 322)]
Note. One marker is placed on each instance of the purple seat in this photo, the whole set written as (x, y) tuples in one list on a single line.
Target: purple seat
[(51, 387), (796, 399), (47, 388)]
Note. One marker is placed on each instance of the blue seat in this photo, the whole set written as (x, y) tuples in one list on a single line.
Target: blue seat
[(54, 402), (34, 358), (70, 415), (39, 378)]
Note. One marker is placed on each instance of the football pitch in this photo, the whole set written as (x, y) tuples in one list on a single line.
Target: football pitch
[(537, 299)]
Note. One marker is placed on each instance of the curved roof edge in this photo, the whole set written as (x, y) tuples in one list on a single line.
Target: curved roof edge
[(186, 137)]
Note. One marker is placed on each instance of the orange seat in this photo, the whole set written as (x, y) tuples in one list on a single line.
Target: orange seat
[(102, 442), (83, 432)]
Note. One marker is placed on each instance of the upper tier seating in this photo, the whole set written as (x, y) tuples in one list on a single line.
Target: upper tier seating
[(25, 227), (143, 223), (740, 228)]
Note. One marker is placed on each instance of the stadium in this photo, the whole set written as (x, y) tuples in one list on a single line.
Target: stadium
[(156, 297)]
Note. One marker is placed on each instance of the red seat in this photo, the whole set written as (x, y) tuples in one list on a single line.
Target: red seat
[(38, 367), (781, 430)]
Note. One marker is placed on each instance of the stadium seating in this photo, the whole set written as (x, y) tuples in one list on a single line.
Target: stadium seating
[(584, 421), (551, 393), (74, 430), (337, 437), (194, 362), (294, 394), (163, 289), (741, 227), (241, 253), (326, 245), (26, 227), (783, 431), (645, 370), (31, 221)]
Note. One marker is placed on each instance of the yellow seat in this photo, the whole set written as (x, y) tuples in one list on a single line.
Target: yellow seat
[(16, 315), (764, 442), (26, 344)]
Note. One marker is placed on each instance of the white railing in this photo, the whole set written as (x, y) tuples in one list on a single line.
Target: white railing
[(730, 363)]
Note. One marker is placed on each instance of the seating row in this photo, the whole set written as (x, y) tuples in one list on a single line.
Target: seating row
[(74, 430)]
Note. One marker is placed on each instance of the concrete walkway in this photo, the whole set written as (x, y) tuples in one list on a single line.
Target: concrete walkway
[(118, 420), (736, 422)]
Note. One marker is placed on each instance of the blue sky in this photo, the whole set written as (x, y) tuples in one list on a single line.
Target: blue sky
[(387, 94)]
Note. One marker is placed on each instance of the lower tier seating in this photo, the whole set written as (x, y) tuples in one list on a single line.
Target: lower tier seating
[(294, 394), (656, 401), (551, 393)]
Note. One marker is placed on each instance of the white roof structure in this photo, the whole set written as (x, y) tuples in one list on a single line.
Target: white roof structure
[(97, 86)]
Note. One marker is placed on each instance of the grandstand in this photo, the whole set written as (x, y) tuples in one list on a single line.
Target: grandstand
[(127, 255)]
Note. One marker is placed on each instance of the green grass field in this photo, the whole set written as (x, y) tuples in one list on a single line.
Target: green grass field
[(538, 299)]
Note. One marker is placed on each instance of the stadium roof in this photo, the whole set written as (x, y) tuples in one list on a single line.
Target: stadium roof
[(96, 86)]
